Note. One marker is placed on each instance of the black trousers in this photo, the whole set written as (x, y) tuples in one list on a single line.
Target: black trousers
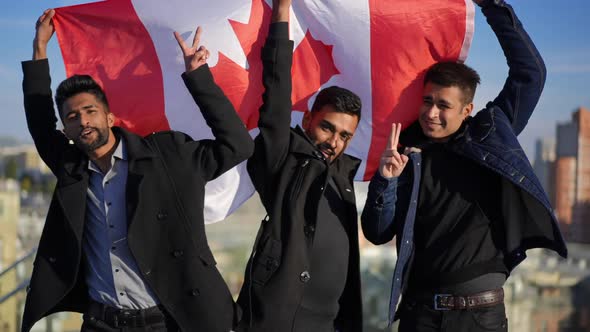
[(422, 318)]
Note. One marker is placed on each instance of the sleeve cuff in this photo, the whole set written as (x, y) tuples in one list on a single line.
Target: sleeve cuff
[(488, 3), (198, 79), (279, 30)]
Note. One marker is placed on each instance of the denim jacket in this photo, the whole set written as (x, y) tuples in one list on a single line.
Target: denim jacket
[(490, 140)]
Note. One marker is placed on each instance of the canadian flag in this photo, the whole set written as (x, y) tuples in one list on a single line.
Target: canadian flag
[(379, 49)]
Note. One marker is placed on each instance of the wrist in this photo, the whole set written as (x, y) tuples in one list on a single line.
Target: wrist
[(281, 13), (39, 51)]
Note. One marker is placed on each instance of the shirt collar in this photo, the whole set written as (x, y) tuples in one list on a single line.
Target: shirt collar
[(120, 153)]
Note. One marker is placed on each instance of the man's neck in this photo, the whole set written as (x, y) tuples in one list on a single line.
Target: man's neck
[(103, 155)]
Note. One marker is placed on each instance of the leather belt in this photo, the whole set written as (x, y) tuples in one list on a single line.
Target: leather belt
[(462, 302), (116, 317)]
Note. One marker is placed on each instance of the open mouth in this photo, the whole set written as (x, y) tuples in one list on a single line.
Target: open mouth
[(327, 153), (86, 132)]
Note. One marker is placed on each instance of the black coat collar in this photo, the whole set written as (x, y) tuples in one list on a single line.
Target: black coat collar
[(76, 162), (345, 165)]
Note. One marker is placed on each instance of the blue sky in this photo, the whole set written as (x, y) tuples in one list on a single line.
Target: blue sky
[(558, 29)]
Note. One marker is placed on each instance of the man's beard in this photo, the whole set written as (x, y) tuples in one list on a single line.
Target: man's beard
[(327, 148), (102, 137)]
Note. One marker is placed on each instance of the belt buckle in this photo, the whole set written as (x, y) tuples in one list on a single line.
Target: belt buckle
[(436, 297), (123, 318)]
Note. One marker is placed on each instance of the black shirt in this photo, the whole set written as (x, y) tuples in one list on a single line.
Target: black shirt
[(329, 265), (457, 232)]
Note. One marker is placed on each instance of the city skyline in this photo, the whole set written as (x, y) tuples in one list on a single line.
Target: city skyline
[(564, 44)]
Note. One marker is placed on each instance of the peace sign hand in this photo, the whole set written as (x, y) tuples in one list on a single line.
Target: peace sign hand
[(392, 162), (194, 56)]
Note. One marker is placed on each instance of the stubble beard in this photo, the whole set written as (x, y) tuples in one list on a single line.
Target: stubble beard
[(102, 138)]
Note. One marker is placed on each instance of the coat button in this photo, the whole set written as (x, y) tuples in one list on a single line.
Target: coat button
[(162, 215), (52, 259), (308, 230), (194, 292), (304, 276), (178, 253)]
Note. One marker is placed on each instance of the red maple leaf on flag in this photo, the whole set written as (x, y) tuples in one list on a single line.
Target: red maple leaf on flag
[(313, 65)]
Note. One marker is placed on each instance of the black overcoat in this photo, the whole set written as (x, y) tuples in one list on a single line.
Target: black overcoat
[(290, 174), (164, 195)]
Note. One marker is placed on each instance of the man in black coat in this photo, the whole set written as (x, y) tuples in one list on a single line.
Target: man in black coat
[(303, 274), (124, 240)]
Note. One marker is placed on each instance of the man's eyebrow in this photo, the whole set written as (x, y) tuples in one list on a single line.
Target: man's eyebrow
[(85, 107), (327, 123), (345, 132)]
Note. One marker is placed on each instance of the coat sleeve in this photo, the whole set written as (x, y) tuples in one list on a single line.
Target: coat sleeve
[(377, 219), (527, 72), (232, 143), (272, 144), (41, 120)]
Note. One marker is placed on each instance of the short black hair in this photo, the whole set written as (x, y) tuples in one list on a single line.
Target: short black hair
[(78, 84), (343, 101), (450, 74)]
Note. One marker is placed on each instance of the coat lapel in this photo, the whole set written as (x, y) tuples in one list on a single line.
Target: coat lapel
[(71, 191), (138, 152)]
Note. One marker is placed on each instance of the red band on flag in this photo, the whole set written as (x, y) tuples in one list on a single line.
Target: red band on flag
[(406, 38), (108, 41)]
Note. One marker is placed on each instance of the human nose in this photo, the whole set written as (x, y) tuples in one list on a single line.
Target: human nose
[(432, 112), (84, 120), (333, 141)]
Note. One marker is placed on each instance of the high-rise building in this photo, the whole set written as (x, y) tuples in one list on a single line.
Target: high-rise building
[(544, 165), (572, 177), (9, 214)]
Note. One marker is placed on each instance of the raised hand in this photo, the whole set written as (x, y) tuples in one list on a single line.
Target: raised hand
[(44, 30), (194, 56), (392, 162)]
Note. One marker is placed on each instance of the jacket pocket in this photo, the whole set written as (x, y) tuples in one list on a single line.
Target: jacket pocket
[(266, 261)]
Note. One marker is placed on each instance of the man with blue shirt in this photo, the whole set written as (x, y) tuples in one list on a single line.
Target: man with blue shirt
[(124, 241), (462, 199)]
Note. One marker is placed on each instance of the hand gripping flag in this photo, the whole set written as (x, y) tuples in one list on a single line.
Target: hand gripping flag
[(377, 48)]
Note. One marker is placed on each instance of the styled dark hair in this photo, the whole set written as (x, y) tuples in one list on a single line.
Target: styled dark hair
[(450, 74), (78, 84), (343, 101)]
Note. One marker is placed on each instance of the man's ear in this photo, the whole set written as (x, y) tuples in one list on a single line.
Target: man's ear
[(467, 109), (306, 119), (110, 119)]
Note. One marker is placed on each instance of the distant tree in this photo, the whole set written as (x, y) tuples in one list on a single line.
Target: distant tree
[(26, 183), (11, 169)]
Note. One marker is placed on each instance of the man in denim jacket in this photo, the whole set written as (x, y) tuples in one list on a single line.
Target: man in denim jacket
[(462, 199)]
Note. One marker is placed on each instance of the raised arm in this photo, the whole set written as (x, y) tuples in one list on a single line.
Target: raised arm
[(232, 143), (38, 102), (527, 72), (377, 219), (272, 144)]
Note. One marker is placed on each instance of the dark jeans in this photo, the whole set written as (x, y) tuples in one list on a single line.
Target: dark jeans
[(92, 324), (422, 318)]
